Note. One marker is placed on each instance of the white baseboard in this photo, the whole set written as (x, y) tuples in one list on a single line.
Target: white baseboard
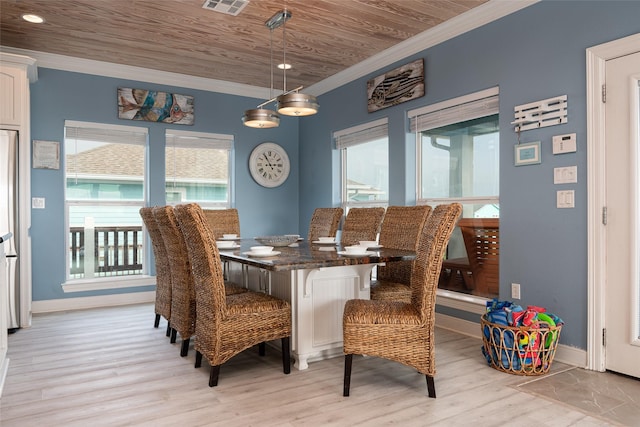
[(565, 354), (80, 303)]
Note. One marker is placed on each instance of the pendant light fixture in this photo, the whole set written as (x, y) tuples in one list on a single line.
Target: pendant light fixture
[(259, 117), (290, 103), (293, 103)]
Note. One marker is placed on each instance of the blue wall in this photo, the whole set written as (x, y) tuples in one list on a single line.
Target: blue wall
[(536, 53), (58, 96)]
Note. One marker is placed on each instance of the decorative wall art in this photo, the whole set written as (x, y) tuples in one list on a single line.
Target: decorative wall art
[(154, 106), (396, 86), (527, 154)]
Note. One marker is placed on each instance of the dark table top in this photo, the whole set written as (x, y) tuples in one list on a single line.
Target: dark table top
[(309, 255)]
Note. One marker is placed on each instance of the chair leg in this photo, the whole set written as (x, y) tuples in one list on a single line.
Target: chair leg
[(213, 376), (156, 323), (286, 356), (348, 359), (262, 349), (198, 359), (168, 328), (431, 387), (174, 333), (185, 347)]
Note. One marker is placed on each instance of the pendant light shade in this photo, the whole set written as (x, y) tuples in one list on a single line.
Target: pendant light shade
[(297, 104), (261, 118)]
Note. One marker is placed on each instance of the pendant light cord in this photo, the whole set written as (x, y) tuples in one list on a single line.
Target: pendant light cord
[(284, 54)]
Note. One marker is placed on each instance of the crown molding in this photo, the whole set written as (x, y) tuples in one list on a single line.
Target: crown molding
[(109, 69), (475, 18), (481, 15)]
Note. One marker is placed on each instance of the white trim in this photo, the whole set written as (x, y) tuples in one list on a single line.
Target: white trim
[(192, 134), (360, 128), (106, 126), (474, 18), (127, 72), (596, 283), (462, 302), (564, 354), (454, 102), (81, 303), (108, 283)]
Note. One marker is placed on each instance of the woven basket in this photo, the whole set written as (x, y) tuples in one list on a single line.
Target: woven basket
[(519, 350)]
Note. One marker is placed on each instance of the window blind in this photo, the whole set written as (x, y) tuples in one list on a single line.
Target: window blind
[(186, 139), (361, 134), (100, 132), (482, 104)]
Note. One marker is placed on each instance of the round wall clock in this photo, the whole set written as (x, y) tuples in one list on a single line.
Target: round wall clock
[(269, 164)]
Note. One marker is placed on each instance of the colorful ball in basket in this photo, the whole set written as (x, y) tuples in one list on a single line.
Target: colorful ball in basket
[(552, 335)]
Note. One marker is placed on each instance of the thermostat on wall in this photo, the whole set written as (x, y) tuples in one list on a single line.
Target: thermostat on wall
[(564, 143)]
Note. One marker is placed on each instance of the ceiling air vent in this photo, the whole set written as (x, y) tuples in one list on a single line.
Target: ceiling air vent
[(230, 7)]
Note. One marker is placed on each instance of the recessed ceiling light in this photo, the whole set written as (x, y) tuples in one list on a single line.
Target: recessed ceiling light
[(34, 19), (284, 66)]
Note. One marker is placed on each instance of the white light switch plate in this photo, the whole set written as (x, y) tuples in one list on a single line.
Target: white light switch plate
[(37, 202), (564, 143), (565, 199), (565, 175)]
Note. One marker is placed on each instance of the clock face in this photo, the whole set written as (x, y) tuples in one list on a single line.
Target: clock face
[(269, 164)]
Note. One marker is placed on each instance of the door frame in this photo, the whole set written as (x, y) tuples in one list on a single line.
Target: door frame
[(596, 59)]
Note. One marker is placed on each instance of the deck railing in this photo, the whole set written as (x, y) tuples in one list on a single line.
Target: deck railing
[(117, 251)]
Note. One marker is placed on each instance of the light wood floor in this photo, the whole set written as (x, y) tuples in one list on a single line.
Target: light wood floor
[(110, 367)]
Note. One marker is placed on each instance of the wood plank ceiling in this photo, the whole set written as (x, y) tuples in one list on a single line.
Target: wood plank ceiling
[(323, 37)]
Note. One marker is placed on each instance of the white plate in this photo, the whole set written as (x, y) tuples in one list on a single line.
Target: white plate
[(362, 254), (262, 254), (235, 238), (226, 248), (318, 242)]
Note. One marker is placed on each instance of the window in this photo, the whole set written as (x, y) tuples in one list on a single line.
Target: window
[(458, 160), (104, 175), (198, 168), (458, 149), (364, 164)]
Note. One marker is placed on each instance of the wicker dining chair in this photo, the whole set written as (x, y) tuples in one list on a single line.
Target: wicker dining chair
[(404, 332), (163, 273), (324, 223), (223, 221), (361, 224), (225, 326), (183, 305), (400, 229)]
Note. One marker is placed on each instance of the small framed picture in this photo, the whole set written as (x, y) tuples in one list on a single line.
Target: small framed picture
[(527, 154)]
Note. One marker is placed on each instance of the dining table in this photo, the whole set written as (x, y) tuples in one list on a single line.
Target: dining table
[(317, 279)]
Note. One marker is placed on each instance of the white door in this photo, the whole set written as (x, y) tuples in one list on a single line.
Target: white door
[(622, 155)]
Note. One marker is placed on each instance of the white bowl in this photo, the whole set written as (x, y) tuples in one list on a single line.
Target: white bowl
[(355, 249), (229, 236), (326, 239), (261, 249), (225, 243), (368, 243)]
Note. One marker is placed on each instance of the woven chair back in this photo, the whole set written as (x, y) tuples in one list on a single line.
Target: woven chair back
[(482, 242), (163, 273), (324, 223), (361, 224), (183, 303), (223, 221), (207, 275), (400, 229), (432, 244)]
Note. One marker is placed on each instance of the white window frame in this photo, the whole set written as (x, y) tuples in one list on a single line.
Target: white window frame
[(463, 108), (187, 139), (350, 137), (109, 282)]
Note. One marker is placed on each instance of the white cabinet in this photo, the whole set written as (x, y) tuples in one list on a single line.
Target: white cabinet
[(15, 73), (4, 309)]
